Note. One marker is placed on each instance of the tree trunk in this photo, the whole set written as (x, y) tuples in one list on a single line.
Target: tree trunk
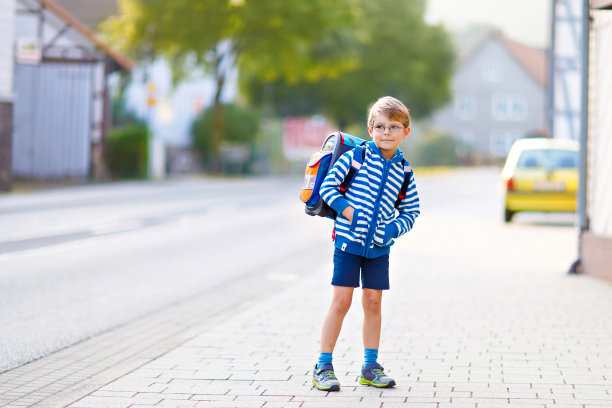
[(218, 119)]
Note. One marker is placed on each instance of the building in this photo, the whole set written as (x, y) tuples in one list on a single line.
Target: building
[(7, 20), (60, 105), (596, 236), (499, 93)]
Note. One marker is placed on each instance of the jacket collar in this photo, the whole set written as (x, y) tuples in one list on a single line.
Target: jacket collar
[(399, 155)]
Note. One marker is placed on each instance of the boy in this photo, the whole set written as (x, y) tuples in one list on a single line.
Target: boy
[(365, 229)]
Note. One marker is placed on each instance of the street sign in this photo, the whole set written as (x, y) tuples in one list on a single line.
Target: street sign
[(28, 50)]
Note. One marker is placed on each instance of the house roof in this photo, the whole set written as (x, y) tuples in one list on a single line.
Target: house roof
[(533, 60), (89, 12), (61, 12)]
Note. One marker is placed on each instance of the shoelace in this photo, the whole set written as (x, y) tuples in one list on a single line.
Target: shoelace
[(378, 372), (328, 374)]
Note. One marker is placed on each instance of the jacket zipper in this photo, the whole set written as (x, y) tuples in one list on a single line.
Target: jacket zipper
[(372, 231)]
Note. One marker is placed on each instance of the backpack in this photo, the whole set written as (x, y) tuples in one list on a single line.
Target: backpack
[(322, 161)]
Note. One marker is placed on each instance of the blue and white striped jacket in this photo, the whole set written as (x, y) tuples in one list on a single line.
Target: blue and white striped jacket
[(372, 194)]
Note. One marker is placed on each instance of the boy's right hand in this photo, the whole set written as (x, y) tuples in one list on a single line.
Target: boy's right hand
[(348, 213)]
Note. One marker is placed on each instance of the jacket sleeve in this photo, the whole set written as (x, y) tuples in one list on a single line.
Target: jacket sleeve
[(330, 189), (408, 209)]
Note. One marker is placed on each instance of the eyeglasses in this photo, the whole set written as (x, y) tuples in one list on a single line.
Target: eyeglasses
[(392, 129)]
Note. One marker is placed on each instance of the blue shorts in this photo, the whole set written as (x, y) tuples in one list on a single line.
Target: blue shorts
[(374, 272)]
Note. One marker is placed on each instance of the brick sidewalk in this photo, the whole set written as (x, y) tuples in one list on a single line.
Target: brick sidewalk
[(504, 328)]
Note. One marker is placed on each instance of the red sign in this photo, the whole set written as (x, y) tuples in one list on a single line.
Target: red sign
[(304, 136)]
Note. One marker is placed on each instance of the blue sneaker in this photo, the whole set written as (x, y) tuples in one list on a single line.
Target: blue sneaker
[(373, 374), (324, 378)]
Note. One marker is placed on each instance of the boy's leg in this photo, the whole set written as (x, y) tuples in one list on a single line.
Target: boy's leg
[(340, 304), (372, 373), (344, 280), (372, 318), (323, 376)]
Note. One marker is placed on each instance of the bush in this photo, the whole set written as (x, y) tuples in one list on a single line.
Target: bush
[(436, 149), (241, 126), (127, 150)]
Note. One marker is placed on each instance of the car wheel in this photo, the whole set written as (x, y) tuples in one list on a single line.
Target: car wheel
[(508, 215)]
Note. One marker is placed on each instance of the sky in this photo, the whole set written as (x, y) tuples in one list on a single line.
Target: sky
[(526, 21)]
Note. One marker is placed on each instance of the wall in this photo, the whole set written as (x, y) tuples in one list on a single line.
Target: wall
[(7, 17), (597, 243)]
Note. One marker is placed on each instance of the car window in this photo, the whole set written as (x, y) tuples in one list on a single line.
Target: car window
[(548, 158)]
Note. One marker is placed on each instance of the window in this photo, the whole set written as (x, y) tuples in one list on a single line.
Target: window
[(491, 73), (465, 107), (501, 141), (506, 107), (548, 158), (466, 137)]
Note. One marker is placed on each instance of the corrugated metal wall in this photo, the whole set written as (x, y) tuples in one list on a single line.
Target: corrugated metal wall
[(600, 132), (53, 120)]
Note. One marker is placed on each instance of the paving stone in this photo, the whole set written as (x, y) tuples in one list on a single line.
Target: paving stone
[(280, 404), (229, 404)]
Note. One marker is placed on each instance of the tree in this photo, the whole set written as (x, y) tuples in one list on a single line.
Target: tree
[(241, 126), (398, 55), (292, 40), (436, 149)]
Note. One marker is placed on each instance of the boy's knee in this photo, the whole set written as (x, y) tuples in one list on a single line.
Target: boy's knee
[(341, 305), (371, 303)]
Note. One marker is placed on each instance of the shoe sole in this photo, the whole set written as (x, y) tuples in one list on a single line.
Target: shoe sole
[(363, 381), (330, 388)]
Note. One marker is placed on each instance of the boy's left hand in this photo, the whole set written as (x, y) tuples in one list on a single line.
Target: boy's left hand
[(390, 232)]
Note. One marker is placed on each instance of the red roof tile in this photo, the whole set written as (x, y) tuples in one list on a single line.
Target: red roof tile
[(534, 60)]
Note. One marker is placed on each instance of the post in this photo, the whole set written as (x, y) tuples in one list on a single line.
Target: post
[(550, 108), (583, 220)]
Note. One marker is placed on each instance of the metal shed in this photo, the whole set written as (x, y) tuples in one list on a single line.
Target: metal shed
[(60, 110)]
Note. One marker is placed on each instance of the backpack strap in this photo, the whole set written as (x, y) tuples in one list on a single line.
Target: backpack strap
[(404, 188), (358, 157)]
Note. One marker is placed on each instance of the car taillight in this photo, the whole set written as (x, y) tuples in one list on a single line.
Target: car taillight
[(510, 184)]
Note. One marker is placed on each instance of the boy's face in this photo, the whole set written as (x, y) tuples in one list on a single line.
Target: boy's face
[(387, 134)]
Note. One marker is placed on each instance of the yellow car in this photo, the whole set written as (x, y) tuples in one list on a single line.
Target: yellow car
[(540, 175)]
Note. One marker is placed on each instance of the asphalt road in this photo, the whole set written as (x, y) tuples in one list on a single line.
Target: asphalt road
[(79, 261)]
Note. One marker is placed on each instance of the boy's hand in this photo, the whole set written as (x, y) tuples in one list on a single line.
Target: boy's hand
[(348, 213)]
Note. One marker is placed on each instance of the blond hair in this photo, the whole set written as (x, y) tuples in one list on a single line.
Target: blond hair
[(391, 108)]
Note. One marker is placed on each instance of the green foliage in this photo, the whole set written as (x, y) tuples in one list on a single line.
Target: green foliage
[(436, 149), (126, 151), (120, 116), (240, 125), (398, 55), (292, 40)]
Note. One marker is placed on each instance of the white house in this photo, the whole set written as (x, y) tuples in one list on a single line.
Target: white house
[(499, 93), (171, 109)]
